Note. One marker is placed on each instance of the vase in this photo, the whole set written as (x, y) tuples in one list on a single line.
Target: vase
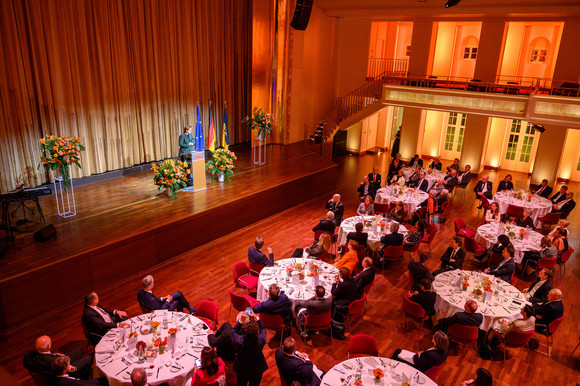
[(171, 339), (221, 176), (172, 194)]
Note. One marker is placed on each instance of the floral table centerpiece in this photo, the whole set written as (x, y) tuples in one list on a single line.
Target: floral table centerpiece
[(59, 153), (171, 175), (259, 121), (378, 374), (222, 164)]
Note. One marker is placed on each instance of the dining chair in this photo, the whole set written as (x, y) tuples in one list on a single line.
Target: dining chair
[(461, 229), (240, 302), (472, 246), (434, 371), (549, 330), (549, 219), (362, 344), (318, 322), (208, 312), (392, 253), (242, 277), (413, 309), (564, 257), (515, 339), (463, 335), (255, 269), (274, 323), (431, 232), (381, 208)]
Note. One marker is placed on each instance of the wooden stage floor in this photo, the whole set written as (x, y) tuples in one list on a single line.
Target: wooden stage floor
[(125, 223)]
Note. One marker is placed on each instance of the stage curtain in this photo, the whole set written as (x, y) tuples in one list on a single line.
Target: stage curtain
[(123, 75)]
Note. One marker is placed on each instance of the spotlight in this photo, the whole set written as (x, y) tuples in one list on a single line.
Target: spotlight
[(539, 128), (452, 3)]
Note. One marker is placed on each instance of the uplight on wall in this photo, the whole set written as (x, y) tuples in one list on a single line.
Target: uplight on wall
[(494, 163)]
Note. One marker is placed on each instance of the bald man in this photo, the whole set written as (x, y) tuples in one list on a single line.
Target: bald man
[(40, 361), (468, 317), (138, 377), (335, 206), (551, 310)]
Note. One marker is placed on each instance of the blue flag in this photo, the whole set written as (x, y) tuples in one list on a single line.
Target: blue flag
[(198, 132), (225, 137)]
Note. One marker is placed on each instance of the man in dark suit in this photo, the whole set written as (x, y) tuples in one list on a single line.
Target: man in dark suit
[(454, 165), (465, 177), (417, 269), (453, 257), (171, 302), (375, 178), (60, 367), (366, 276), (544, 190), (359, 236), (256, 256), (344, 292), (560, 196), (40, 361), (550, 311), (424, 297), (277, 304), (422, 184), (366, 188), (98, 320), (327, 224), (335, 206), (469, 317), (394, 238), (222, 341), (294, 365), (413, 180), (564, 207), (318, 304), (538, 291), (435, 164), (483, 188), (506, 267)]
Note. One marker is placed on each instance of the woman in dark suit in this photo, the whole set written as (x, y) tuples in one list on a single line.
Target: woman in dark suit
[(343, 291), (525, 220), (506, 184), (432, 357), (249, 338)]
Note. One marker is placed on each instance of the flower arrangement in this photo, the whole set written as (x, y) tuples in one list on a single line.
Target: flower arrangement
[(161, 344), (477, 291), (222, 163), (488, 282), (314, 267), (259, 121), (171, 175), (358, 383), (487, 288), (154, 325), (298, 266), (133, 335), (313, 273), (465, 277), (141, 345), (59, 153), (464, 286), (172, 331), (378, 374), (410, 190), (530, 195), (523, 233)]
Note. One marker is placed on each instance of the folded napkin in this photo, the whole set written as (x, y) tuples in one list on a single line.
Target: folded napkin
[(105, 347)]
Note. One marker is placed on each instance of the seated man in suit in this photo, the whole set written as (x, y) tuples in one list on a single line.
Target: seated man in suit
[(465, 176), (359, 236), (256, 256), (453, 257), (326, 224), (175, 301), (469, 317), (424, 297), (99, 320), (394, 238), (60, 367), (483, 189), (550, 311), (564, 207), (366, 276), (344, 292), (506, 267), (538, 291), (316, 305), (366, 188), (40, 361), (295, 366), (276, 304), (544, 190), (454, 166), (138, 377), (416, 161), (422, 184), (417, 269), (375, 178), (560, 196), (438, 187), (414, 178), (451, 179), (434, 356), (436, 164), (335, 206)]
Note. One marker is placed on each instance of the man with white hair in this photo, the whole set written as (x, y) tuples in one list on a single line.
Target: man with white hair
[(170, 302), (483, 189), (549, 311), (99, 320), (451, 179), (326, 224), (335, 206)]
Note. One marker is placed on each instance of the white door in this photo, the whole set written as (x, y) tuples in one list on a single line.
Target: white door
[(575, 172), (452, 136), (520, 144)]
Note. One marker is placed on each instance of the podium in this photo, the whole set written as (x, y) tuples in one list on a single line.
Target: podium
[(198, 170)]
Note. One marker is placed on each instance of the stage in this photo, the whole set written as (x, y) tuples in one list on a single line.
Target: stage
[(124, 225)]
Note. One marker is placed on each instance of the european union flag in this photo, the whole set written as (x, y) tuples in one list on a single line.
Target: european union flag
[(198, 132)]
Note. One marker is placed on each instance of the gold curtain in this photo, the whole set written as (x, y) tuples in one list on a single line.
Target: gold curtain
[(123, 75)]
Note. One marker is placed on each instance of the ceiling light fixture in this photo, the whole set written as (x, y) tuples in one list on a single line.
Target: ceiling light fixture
[(539, 128), (452, 3)]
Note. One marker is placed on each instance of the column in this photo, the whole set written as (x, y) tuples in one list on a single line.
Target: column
[(489, 50), (474, 142), (422, 45), (411, 127), (548, 154), (567, 68)]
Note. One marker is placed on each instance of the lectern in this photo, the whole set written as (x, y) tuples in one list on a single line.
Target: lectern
[(198, 170)]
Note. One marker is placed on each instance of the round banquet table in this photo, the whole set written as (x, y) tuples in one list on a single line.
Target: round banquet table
[(486, 236), (538, 206), (374, 239), (395, 373), (297, 291), (411, 198), (174, 367), (505, 303), (431, 177)]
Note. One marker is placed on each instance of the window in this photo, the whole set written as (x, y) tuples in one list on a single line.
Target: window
[(578, 165), (470, 53), (528, 143), (538, 55), (514, 138), (455, 131), (408, 51)]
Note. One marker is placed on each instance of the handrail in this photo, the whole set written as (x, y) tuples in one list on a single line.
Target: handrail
[(378, 67)]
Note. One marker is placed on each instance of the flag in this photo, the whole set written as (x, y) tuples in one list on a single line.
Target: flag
[(225, 137), (198, 132), (211, 134)]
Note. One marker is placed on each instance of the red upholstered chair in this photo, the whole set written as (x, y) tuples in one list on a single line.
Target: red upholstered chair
[(240, 302), (144, 310), (434, 371), (442, 211), (362, 344), (318, 322), (472, 246), (39, 379), (411, 281), (410, 308), (255, 269), (392, 253), (484, 204), (319, 232), (208, 312), (381, 208), (356, 309), (514, 211), (274, 323), (431, 232), (564, 257), (464, 335), (494, 259), (242, 277), (549, 219), (542, 263), (461, 229), (550, 330), (516, 339)]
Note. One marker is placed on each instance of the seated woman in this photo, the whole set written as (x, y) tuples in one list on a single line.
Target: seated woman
[(398, 179), (560, 241), (525, 220), (319, 247), (497, 248), (344, 292), (212, 369), (503, 327), (393, 169), (506, 184), (547, 251), (366, 208), (413, 239), (432, 357), (398, 212), (492, 214), (562, 225), (350, 258)]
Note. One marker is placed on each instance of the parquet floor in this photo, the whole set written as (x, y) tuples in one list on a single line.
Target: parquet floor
[(205, 274)]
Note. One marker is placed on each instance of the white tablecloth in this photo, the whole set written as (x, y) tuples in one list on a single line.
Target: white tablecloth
[(506, 302), (411, 197), (538, 206), (431, 177), (174, 368), (395, 373), (297, 291), (486, 236), (374, 239)]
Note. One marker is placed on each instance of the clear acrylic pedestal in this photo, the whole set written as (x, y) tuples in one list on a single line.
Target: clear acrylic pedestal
[(65, 198), (259, 151)]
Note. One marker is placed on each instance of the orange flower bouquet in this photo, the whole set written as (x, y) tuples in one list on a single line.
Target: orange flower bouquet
[(378, 374), (171, 175), (222, 164), (488, 282), (487, 288), (313, 273), (464, 286), (172, 331), (58, 153)]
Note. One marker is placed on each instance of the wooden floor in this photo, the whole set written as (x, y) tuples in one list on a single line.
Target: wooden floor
[(204, 273)]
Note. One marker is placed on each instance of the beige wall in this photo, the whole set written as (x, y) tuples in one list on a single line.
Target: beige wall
[(495, 142), (569, 159), (567, 67), (412, 121), (353, 47), (474, 141), (548, 154), (421, 47), (432, 133), (489, 50)]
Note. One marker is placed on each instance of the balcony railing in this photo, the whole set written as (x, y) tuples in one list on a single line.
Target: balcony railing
[(379, 67)]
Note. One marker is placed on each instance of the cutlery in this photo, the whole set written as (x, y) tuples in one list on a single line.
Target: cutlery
[(126, 361), (339, 370), (122, 370), (159, 368)]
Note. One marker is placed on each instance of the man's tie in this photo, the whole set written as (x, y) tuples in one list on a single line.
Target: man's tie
[(540, 190), (104, 314)]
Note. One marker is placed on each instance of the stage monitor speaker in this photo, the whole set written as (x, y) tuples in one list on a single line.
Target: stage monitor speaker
[(301, 14), (46, 233)]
